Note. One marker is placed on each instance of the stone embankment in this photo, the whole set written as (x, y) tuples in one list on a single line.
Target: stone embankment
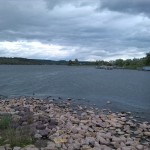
[(58, 126)]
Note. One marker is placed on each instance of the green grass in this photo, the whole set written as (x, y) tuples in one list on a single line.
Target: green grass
[(5, 122), (20, 137), (15, 137)]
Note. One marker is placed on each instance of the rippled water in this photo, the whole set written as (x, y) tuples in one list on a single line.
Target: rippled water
[(128, 90)]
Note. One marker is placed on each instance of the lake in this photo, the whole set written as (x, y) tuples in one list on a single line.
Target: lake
[(128, 90)]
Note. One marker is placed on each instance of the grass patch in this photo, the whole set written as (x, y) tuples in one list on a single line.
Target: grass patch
[(15, 137), (18, 137), (5, 122)]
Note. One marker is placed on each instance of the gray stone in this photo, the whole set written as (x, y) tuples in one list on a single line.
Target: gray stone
[(44, 133), (40, 127), (17, 148), (7, 147), (37, 136), (123, 119), (147, 133), (51, 145), (89, 140), (140, 147), (2, 148)]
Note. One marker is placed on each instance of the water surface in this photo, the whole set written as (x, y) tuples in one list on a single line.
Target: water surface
[(128, 90)]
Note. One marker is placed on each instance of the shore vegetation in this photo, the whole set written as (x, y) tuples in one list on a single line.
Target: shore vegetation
[(135, 63)]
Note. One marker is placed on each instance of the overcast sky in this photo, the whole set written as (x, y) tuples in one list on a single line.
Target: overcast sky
[(69, 29)]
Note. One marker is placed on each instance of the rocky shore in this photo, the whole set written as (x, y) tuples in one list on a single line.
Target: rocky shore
[(61, 126)]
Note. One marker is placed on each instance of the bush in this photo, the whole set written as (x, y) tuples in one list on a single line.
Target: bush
[(5, 122), (18, 137), (15, 137)]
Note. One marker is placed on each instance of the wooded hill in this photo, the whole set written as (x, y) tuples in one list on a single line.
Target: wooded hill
[(129, 63)]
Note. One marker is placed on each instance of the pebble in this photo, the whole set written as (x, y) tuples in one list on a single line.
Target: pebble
[(140, 147), (37, 136), (108, 102), (2, 148), (17, 148), (40, 127), (147, 134), (68, 128)]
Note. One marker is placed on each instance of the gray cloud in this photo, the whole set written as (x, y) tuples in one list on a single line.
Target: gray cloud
[(118, 31), (130, 6), (51, 4)]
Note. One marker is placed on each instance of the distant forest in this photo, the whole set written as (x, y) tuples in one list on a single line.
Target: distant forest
[(128, 63)]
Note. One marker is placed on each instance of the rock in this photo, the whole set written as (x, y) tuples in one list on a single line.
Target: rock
[(69, 99), (108, 135), (102, 140), (84, 121), (127, 148), (80, 107), (59, 140), (37, 136), (70, 147), (90, 140), (17, 148), (24, 123), (123, 119), (30, 147), (70, 140), (121, 133), (64, 147), (131, 117), (44, 133), (147, 134), (68, 127), (40, 143), (51, 126), (107, 148), (90, 112), (140, 147), (129, 142), (76, 145), (84, 114), (108, 102), (40, 127), (58, 145), (74, 130), (2, 148), (7, 147), (53, 122), (51, 146), (75, 121), (86, 147), (116, 139)]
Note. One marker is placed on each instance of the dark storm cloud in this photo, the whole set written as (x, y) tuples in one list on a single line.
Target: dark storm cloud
[(51, 4), (76, 26), (130, 6)]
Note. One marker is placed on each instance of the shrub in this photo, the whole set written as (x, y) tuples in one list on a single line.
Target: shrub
[(5, 122), (18, 137), (15, 137)]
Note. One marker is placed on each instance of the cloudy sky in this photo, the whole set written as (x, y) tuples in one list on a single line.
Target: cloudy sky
[(69, 29)]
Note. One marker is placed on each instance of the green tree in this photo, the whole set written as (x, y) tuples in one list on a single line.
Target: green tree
[(76, 62), (119, 62), (70, 62), (147, 59)]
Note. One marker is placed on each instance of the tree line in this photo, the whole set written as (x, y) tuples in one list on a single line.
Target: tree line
[(128, 63)]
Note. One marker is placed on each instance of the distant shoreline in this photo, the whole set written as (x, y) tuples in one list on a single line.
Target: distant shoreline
[(138, 64)]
